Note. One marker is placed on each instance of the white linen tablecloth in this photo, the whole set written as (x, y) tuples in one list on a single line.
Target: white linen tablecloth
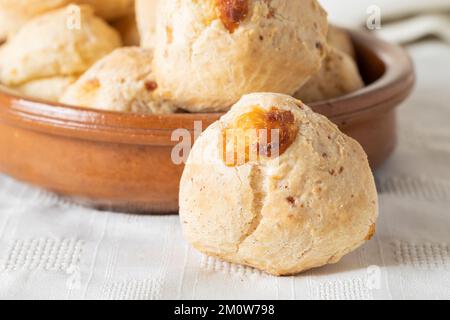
[(53, 249)]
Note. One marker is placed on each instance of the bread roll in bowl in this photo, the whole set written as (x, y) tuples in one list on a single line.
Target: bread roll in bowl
[(110, 9), (305, 206), (146, 14), (48, 47), (49, 89), (340, 39), (122, 81), (338, 76), (128, 30), (15, 13), (209, 53)]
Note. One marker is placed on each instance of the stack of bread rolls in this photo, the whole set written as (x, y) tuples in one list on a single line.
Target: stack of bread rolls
[(202, 55)]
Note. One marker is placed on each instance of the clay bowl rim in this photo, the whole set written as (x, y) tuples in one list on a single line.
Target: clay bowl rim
[(108, 126)]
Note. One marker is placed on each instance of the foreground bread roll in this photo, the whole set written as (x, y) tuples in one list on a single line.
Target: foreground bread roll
[(338, 76), (122, 81), (15, 13), (306, 201), (146, 12), (209, 53), (46, 47)]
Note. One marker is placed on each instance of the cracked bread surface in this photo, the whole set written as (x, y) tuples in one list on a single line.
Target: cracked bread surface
[(305, 208)]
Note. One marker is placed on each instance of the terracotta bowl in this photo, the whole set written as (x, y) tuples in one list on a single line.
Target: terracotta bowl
[(122, 162)]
